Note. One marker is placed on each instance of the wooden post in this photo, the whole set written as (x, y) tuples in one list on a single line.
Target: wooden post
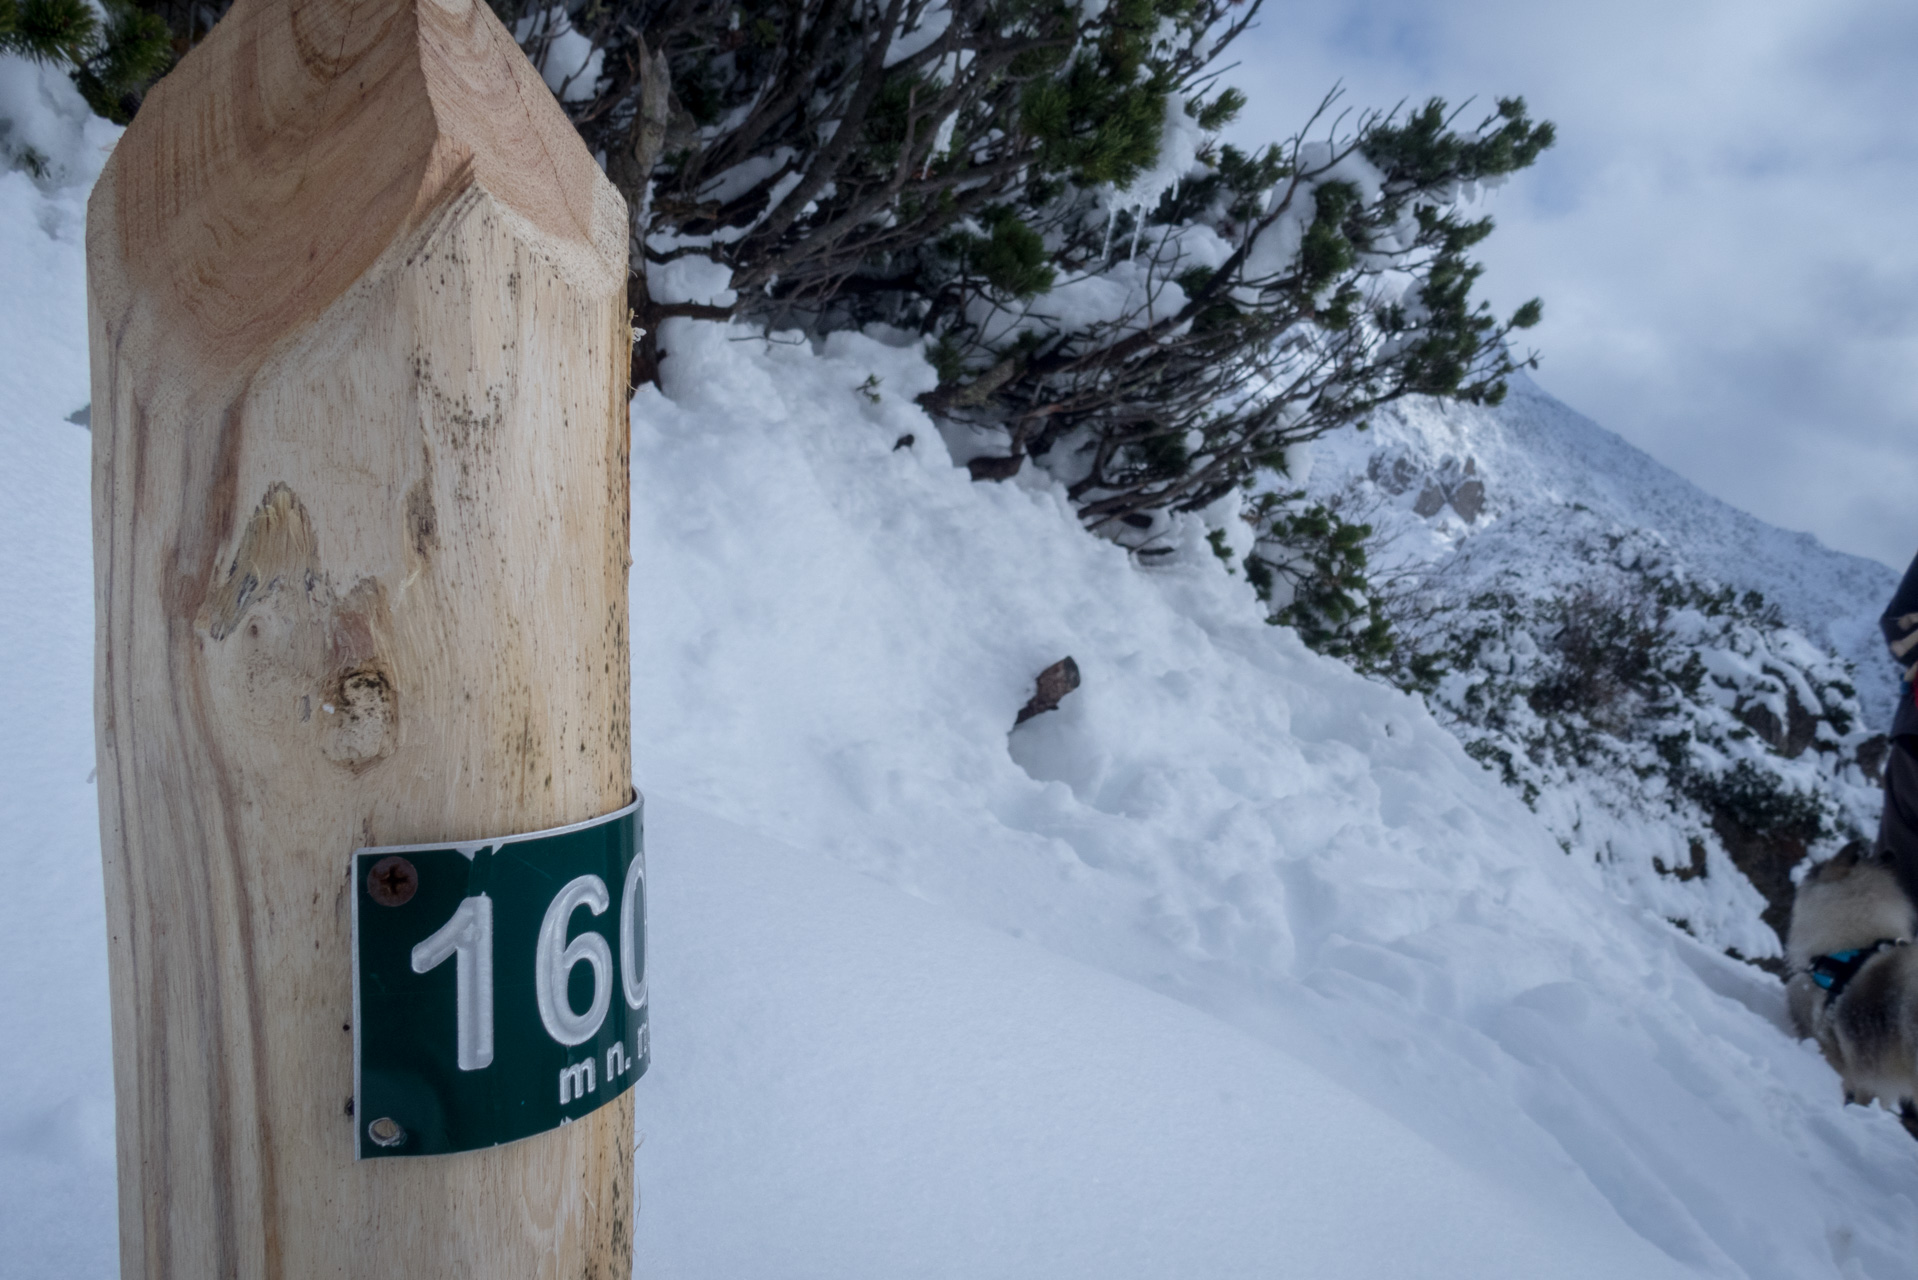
[(360, 345)]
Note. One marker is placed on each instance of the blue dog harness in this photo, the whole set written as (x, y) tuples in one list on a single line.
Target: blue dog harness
[(1835, 971)]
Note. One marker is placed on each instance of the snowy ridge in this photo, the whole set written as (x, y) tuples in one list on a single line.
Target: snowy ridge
[(1235, 964), (1610, 658), (1536, 452)]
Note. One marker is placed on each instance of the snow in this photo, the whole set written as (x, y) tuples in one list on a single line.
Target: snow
[(927, 1097), (1278, 245), (691, 278), (1127, 295), (1235, 964), (724, 188), (40, 113), (1180, 142), (56, 1120), (567, 60), (931, 25)]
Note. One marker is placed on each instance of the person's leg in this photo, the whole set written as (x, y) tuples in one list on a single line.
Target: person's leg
[(1898, 828)]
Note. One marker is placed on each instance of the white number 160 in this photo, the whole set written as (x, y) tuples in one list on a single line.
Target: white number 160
[(468, 938)]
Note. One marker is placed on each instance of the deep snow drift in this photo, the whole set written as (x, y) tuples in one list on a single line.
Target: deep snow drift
[(865, 1085), (1234, 965)]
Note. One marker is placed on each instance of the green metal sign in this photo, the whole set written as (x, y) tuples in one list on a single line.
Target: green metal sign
[(499, 986)]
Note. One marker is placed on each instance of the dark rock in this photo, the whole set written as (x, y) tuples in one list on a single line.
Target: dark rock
[(1469, 499), (1872, 754), (903, 442), (1395, 474), (1054, 683), (1431, 501), (1764, 722), (990, 468), (1801, 726), (1791, 737), (1766, 859)]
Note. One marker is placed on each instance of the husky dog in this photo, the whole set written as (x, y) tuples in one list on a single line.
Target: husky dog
[(1854, 980)]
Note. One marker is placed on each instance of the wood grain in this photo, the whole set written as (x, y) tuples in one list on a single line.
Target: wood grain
[(359, 342)]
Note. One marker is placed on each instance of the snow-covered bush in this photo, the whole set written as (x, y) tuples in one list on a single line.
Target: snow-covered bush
[(829, 153), (1689, 699), (1039, 190), (1242, 304), (1630, 694), (1309, 566)]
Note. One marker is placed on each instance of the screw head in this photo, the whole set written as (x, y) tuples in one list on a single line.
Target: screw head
[(386, 1132), (393, 881)]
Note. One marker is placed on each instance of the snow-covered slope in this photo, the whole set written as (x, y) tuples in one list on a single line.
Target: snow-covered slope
[(866, 1085), (1609, 655), (839, 632), (1536, 453), (1234, 964)]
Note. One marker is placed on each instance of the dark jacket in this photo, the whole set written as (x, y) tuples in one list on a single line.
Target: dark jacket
[(1904, 603)]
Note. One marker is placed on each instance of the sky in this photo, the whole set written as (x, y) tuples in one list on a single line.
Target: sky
[(1725, 236)]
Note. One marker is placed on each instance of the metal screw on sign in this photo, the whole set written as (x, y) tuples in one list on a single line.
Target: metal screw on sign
[(386, 1131), (392, 883)]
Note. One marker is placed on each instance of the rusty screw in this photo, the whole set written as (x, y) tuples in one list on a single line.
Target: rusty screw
[(393, 881), (386, 1132)]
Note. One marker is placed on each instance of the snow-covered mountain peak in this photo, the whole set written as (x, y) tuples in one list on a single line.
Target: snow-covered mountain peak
[(1687, 696), (1432, 475)]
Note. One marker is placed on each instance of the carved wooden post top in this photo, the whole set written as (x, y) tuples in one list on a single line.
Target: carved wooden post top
[(289, 149)]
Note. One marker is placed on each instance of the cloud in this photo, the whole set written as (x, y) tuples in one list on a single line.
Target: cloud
[(1726, 236)]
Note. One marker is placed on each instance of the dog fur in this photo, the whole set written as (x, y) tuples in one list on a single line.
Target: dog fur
[(1869, 1032)]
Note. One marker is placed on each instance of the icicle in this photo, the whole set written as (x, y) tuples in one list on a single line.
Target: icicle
[(1112, 216)]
